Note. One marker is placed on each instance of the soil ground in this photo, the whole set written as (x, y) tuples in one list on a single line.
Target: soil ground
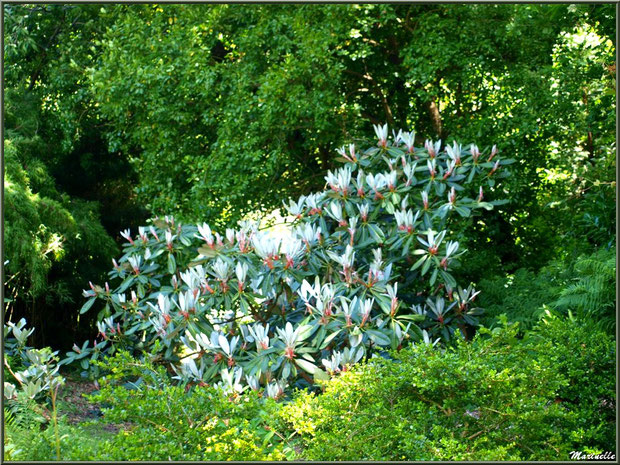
[(78, 409)]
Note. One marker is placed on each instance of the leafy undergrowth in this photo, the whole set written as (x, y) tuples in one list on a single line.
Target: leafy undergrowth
[(82, 431), (499, 398), (583, 285), (502, 396)]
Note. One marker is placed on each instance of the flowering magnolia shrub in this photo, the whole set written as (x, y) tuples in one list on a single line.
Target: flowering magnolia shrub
[(367, 269)]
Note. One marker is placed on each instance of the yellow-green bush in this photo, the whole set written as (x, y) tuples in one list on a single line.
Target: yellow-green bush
[(498, 398)]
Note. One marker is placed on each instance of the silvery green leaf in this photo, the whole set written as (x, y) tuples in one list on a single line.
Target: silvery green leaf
[(306, 366)]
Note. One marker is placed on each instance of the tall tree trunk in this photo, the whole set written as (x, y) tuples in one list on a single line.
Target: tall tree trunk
[(433, 112)]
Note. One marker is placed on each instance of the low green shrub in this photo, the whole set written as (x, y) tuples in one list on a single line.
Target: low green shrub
[(586, 357), (497, 398), (503, 396), (168, 422)]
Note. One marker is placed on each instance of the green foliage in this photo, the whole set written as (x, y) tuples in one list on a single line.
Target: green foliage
[(57, 172), (499, 397), (583, 285), (172, 422), (492, 399), (37, 379), (586, 357), (591, 293), (26, 251), (225, 109), (77, 442), (50, 242), (522, 295)]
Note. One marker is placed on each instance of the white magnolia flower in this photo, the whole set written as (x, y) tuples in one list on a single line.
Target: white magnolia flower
[(431, 241), (231, 381), (291, 336), (409, 170), (406, 220), (431, 165), (265, 245), (376, 182), (346, 260), (340, 180), (308, 233), (438, 307), (340, 361), (359, 182), (260, 335), (127, 235), (432, 148), (390, 179), (154, 233), (252, 382), (363, 209), (189, 370), (295, 208), (169, 237), (408, 138), (135, 261), (228, 347), (454, 153), (187, 301), (193, 277), (348, 308), (221, 269), (205, 233), (230, 235), (350, 156), (142, 233), (307, 291), (382, 133), (335, 211), (366, 308), (275, 389), (292, 249), (451, 247), (241, 270), (313, 201)]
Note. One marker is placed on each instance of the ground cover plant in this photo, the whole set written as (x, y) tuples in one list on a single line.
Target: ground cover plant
[(473, 400), (581, 285)]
